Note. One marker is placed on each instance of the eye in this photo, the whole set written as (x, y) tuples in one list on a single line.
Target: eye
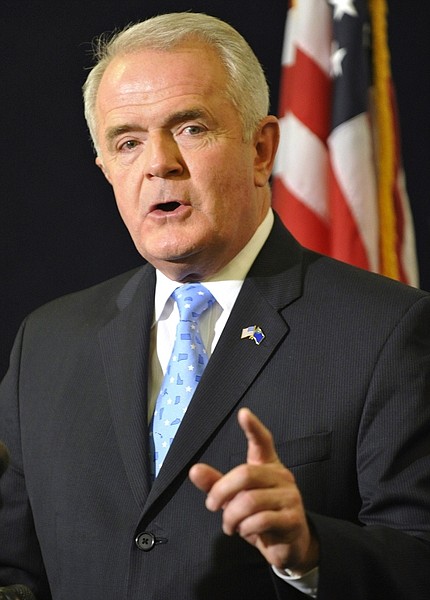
[(192, 130), (128, 145)]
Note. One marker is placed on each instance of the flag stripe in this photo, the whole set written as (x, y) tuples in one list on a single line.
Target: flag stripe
[(298, 143), (346, 243), (352, 171), (304, 223), (310, 101)]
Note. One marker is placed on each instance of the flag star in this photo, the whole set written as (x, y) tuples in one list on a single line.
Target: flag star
[(187, 305), (174, 358), (164, 444), (193, 346), (193, 326), (169, 401), (191, 367), (200, 293), (343, 7), (172, 380), (338, 54), (188, 388), (166, 422)]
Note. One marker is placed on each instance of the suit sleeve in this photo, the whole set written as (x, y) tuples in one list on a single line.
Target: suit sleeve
[(20, 555), (389, 557)]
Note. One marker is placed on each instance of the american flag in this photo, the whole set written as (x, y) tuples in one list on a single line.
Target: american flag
[(338, 180)]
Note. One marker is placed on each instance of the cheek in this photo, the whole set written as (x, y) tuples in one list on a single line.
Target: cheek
[(234, 186)]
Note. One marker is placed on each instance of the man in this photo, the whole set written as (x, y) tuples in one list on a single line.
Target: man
[(331, 496)]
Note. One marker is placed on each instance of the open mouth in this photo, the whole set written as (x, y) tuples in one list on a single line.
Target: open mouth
[(168, 206)]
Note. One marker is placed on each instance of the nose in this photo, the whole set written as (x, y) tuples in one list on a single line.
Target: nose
[(163, 158)]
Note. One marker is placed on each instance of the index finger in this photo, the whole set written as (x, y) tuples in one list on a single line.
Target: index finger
[(261, 449)]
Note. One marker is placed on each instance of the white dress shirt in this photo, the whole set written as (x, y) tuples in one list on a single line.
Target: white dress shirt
[(225, 287)]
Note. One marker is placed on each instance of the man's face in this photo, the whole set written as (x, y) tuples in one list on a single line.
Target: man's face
[(189, 189)]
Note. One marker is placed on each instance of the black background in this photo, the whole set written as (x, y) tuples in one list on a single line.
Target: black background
[(59, 227)]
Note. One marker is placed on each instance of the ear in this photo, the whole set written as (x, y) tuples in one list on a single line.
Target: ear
[(266, 142), (101, 166)]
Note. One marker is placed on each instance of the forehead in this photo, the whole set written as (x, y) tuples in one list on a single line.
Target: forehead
[(148, 76)]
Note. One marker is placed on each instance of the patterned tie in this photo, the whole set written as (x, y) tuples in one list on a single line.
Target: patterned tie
[(185, 368)]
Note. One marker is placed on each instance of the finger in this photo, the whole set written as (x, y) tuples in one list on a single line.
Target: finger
[(245, 513), (203, 476), (260, 441)]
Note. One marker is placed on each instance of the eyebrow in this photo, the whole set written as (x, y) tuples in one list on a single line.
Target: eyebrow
[(180, 116), (112, 133)]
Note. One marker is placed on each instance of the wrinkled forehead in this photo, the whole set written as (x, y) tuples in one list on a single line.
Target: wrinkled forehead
[(150, 69), (152, 76)]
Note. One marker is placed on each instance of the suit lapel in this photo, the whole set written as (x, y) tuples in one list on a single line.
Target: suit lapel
[(124, 343), (274, 281)]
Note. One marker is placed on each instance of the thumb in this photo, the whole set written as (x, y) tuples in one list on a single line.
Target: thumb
[(261, 449)]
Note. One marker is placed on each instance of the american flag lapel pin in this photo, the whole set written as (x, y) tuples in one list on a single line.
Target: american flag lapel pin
[(253, 333)]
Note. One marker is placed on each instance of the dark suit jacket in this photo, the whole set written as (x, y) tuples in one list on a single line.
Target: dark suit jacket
[(342, 379)]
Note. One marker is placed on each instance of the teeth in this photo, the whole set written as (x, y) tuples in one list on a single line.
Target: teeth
[(168, 206)]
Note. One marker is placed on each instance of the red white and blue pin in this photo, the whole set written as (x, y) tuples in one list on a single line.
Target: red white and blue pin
[(253, 333)]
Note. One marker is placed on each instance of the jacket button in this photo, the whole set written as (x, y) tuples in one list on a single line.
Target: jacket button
[(145, 541)]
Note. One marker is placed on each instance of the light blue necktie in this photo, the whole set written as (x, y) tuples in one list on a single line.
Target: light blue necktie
[(185, 368)]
